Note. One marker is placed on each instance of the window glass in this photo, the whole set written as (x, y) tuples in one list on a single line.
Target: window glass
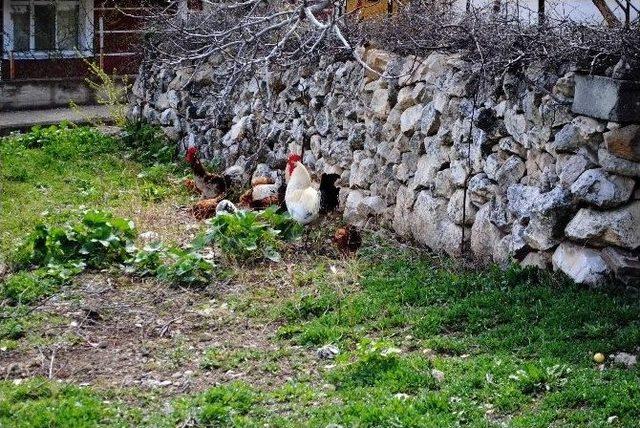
[(67, 27), (45, 25), (44, 19), (20, 19)]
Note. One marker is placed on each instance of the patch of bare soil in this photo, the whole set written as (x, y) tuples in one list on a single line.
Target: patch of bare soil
[(112, 331)]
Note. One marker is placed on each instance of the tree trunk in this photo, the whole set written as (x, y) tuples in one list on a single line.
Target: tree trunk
[(541, 12), (605, 11)]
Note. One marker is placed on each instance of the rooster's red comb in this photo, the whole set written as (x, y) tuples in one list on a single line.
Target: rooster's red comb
[(191, 152), (293, 158)]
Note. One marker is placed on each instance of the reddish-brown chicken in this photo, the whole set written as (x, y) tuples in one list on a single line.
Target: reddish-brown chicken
[(205, 208), (347, 239), (191, 186), (210, 185)]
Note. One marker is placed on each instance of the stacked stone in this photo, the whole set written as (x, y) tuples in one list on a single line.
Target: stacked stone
[(514, 172)]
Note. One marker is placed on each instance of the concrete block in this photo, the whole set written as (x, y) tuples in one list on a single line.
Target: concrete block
[(606, 98)]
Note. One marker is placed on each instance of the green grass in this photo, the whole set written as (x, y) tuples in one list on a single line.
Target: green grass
[(515, 347), (48, 174)]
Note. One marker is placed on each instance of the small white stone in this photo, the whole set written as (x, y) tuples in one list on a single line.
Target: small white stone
[(437, 375)]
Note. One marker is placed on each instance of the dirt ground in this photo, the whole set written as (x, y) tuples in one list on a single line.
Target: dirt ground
[(108, 330), (113, 332)]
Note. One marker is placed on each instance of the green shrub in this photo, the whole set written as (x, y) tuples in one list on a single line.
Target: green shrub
[(65, 141), (110, 90), (145, 262), (98, 240), (148, 143), (26, 287), (170, 264), (250, 235), (185, 267), (11, 329)]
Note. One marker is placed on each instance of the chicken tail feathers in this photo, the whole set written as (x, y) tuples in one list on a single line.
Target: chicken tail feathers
[(328, 193)]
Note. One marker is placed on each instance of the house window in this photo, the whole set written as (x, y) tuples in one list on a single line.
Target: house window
[(47, 27)]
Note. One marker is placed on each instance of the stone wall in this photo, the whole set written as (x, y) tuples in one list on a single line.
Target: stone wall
[(539, 184)]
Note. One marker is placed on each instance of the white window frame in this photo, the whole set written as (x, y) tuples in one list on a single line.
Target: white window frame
[(85, 33)]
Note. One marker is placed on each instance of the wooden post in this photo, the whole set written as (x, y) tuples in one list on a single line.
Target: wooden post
[(12, 66), (101, 39)]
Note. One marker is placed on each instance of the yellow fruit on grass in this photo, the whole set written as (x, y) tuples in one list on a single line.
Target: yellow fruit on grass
[(598, 358)]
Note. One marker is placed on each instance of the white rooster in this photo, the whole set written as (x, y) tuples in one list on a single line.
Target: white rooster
[(302, 197)]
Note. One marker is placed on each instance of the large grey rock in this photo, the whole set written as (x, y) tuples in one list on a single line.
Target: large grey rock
[(402, 211), (410, 119), (436, 65), (429, 164), (459, 172), (544, 213), (430, 121), (565, 86), (169, 117), (624, 142), (428, 212), (412, 71), (537, 259), (323, 122), (362, 173), (485, 236), (455, 209), (581, 132), (612, 163), (238, 131), (460, 83), (570, 167), (491, 166), (516, 125), (517, 243), (380, 105), (583, 265), (606, 98), (481, 189), (524, 200), (405, 98), (499, 214), (407, 167), (431, 226), (568, 139), (601, 189), (359, 208), (620, 227), (450, 237), (443, 184), (624, 264), (354, 199), (391, 126), (541, 169), (589, 129), (510, 172), (510, 145)]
